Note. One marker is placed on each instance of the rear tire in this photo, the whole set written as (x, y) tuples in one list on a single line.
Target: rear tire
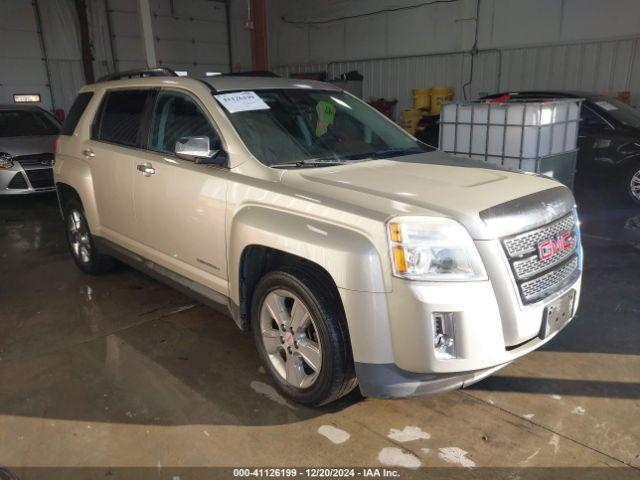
[(632, 183), (84, 251), (301, 336)]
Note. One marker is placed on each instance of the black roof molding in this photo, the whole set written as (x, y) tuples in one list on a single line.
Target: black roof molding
[(142, 73)]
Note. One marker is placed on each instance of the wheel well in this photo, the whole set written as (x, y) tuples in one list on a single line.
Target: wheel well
[(66, 193), (258, 260)]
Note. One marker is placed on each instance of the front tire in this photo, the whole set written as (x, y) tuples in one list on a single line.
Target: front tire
[(81, 244), (632, 183), (301, 337)]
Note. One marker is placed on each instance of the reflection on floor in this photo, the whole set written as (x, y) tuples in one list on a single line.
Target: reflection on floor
[(123, 371)]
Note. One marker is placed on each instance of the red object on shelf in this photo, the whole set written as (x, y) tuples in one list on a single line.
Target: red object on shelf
[(59, 113), (503, 99)]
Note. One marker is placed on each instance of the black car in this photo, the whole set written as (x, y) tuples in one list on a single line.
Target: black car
[(608, 138)]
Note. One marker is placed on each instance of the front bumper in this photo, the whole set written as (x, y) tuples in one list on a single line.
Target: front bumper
[(393, 333), (20, 180)]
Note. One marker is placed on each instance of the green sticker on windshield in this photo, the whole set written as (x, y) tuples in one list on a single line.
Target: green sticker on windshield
[(326, 115)]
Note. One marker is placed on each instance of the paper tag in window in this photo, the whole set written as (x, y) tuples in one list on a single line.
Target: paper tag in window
[(241, 102), (606, 106)]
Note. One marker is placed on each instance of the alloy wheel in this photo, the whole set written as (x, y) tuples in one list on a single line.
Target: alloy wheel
[(634, 185), (79, 236), (290, 338)]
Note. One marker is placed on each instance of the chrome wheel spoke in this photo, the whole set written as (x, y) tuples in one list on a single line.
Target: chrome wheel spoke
[(271, 340), (299, 316), (310, 353), (275, 306), (295, 371)]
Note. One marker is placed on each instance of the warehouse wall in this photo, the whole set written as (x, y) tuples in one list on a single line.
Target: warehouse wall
[(571, 44), (190, 35)]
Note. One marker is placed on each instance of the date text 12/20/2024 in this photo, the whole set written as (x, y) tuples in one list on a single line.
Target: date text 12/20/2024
[(315, 473)]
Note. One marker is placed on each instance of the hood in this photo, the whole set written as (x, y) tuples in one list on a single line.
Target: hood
[(425, 184), (18, 146)]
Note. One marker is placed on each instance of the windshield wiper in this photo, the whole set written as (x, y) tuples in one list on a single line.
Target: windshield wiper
[(309, 162), (396, 152)]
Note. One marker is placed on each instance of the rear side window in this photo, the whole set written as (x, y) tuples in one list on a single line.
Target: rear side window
[(122, 117), (77, 109)]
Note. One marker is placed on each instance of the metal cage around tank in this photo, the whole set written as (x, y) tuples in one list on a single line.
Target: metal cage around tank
[(534, 136)]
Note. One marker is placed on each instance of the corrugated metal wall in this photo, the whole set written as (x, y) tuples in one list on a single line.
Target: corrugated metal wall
[(593, 66), (570, 44)]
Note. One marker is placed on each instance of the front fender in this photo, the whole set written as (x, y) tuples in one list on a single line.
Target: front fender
[(349, 256)]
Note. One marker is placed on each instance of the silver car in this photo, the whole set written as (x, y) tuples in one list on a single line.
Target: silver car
[(27, 134)]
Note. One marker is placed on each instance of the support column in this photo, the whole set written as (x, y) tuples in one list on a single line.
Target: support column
[(259, 59), (147, 33), (87, 57)]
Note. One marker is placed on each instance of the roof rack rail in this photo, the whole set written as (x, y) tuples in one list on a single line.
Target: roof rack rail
[(252, 73), (142, 73)]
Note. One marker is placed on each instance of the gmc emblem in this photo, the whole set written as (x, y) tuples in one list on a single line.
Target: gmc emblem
[(559, 244)]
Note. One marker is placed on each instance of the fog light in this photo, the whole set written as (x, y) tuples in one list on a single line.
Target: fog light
[(444, 345)]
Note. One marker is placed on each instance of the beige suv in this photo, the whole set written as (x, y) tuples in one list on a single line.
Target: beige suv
[(354, 254)]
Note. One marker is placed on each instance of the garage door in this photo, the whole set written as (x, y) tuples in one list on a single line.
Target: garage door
[(23, 68), (190, 35)]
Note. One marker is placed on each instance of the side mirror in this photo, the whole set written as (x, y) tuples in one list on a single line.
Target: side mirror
[(197, 149)]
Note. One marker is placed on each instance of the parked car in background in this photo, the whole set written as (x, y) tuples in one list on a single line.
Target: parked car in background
[(27, 134), (608, 139)]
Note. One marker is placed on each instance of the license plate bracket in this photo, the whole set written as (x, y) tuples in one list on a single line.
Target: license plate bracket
[(557, 314)]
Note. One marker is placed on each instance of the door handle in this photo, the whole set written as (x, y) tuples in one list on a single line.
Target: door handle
[(146, 169), (88, 153)]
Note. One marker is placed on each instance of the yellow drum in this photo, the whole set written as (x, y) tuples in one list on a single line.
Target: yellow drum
[(409, 120), (438, 96), (421, 98)]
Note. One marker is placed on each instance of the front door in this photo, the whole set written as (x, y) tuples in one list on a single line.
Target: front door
[(180, 205)]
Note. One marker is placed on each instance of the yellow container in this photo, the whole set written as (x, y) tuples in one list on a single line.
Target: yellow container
[(438, 96), (409, 120), (421, 98)]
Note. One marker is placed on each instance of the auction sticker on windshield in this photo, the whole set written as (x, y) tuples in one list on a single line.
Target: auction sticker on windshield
[(241, 102)]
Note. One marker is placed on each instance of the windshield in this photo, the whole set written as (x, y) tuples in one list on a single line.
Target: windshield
[(296, 126), (620, 111), (26, 123)]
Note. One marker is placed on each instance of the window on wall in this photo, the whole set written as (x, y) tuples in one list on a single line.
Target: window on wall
[(177, 115), (122, 116)]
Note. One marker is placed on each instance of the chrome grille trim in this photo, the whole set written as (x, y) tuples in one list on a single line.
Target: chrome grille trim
[(548, 283), (527, 242), (532, 265)]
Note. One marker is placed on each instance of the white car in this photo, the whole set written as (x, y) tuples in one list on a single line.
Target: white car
[(27, 134)]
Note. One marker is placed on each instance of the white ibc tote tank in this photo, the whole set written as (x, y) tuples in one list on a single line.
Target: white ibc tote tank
[(516, 134)]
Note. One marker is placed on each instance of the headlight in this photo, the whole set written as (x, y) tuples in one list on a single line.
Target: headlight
[(5, 160), (434, 249)]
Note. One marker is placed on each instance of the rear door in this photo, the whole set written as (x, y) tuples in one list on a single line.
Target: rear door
[(116, 141), (180, 205)]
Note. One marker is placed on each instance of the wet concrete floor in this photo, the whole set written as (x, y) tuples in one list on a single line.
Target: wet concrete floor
[(121, 371)]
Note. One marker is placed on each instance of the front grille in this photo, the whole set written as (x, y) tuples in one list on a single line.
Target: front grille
[(41, 177), (532, 265), (527, 242), (537, 278), (18, 182), (35, 159), (546, 284)]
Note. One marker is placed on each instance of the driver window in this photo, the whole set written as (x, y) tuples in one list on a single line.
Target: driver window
[(177, 115)]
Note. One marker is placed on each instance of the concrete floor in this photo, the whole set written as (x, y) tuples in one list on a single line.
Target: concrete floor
[(121, 371)]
